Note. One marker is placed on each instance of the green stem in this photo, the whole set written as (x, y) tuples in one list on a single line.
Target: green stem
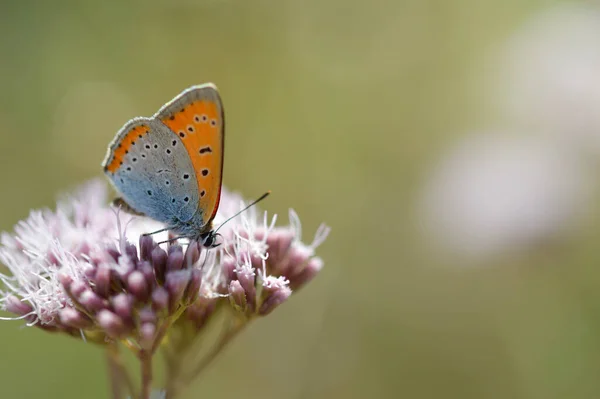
[(118, 375), (116, 386), (165, 327), (230, 333), (175, 385)]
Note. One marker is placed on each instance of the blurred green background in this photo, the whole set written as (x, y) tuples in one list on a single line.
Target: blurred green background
[(342, 108)]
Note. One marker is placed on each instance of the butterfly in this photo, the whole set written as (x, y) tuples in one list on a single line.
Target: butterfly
[(169, 167)]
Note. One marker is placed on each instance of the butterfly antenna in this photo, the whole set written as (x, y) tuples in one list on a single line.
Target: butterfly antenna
[(256, 201)]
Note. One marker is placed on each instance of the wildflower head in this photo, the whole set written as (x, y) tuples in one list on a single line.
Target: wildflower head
[(87, 270)]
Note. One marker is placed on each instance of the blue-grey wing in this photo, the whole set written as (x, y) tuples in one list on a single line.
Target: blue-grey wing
[(150, 167)]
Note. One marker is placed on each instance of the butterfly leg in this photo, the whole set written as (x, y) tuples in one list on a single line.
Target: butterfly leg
[(121, 204), (170, 239), (156, 232)]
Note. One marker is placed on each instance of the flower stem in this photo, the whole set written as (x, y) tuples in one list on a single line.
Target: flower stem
[(118, 375), (165, 327), (116, 386), (146, 370), (225, 338)]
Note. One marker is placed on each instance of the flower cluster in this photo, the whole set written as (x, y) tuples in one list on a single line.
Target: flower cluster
[(87, 270)]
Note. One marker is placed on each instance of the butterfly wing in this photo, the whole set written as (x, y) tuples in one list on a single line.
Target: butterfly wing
[(196, 116), (150, 167)]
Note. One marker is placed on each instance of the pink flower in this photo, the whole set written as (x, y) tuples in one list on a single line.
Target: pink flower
[(85, 268)]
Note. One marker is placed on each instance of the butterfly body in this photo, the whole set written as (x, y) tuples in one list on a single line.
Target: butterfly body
[(169, 167)]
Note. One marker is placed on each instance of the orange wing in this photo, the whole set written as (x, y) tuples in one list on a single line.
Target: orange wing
[(122, 143), (197, 117)]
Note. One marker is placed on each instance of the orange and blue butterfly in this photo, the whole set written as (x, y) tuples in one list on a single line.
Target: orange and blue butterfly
[(170, 167)]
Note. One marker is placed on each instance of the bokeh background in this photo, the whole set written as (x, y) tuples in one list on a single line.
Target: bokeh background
[(452, 146)]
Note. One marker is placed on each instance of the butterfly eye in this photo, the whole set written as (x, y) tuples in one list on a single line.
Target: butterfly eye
[(209, 240), (215, 243)]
